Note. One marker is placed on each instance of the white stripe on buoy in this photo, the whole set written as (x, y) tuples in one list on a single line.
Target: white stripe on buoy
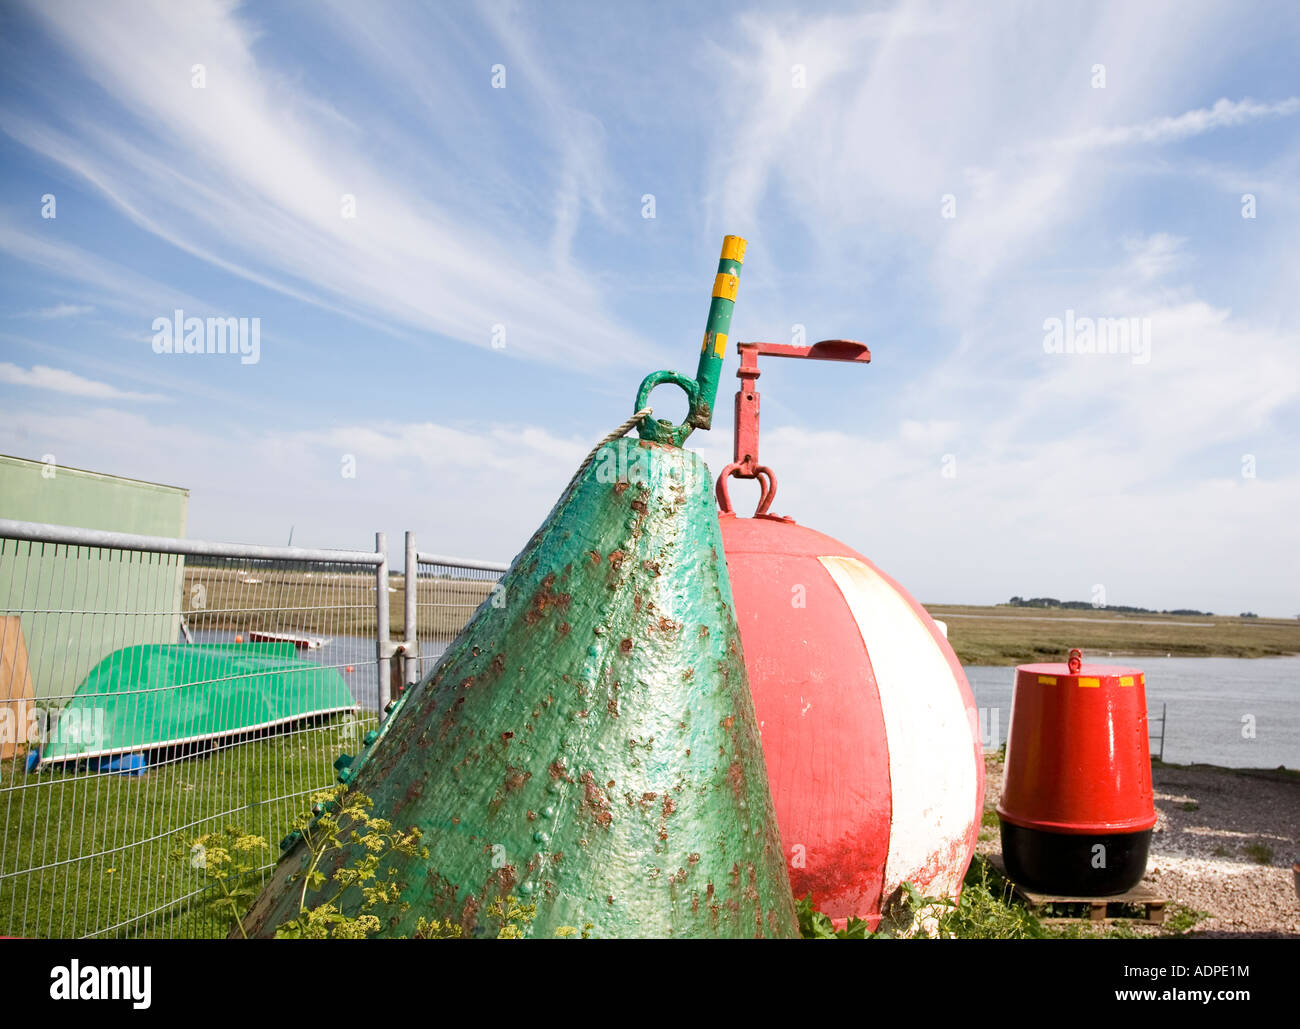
[(931, 757)]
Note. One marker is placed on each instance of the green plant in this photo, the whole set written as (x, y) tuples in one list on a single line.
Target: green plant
[(231, 861), (1190, 805), (1260, 853), (344, 821), (1182, 918), (438, 929), (813, 925), (987, 909), (1084, 929), (514, 918)]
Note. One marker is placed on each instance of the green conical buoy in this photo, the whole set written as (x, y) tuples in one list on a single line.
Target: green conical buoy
[(588, 742)]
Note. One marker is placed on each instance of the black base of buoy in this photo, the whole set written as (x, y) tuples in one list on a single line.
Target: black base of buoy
[(1073, 866)]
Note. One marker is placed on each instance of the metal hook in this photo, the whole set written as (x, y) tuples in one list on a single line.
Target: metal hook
[(766, 481)]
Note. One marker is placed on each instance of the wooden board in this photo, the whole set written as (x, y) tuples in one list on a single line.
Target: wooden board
[(1140, 896), (16, 699)]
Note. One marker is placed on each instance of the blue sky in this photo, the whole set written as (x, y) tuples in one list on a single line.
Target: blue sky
[(966, 460)]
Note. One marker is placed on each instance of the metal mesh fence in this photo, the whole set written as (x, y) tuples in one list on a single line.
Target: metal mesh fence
[(148, 698), (448, 591)]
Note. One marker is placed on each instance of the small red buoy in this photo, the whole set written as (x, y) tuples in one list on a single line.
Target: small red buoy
[(1077, 807), (238, 638), (350, 668)]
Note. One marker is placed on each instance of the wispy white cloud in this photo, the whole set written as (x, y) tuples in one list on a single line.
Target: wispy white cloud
[(576, 134), (60, 381), (294, 477), (247, 173), (115, 286), (1224, 114), (1155, 255), (828, 139), (57, 311), (905, 105)]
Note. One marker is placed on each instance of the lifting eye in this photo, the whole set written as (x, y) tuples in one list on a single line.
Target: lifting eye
[(661, 430)]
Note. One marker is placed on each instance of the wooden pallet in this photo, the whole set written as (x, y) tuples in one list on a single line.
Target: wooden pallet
[(1141, 896)]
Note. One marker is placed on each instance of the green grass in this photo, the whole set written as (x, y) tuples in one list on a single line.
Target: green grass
[(128, 830), (1260, 853), (989, 911), (1005, 635), (1179, 918)]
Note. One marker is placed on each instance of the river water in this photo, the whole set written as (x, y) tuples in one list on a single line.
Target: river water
[(1236, 712)]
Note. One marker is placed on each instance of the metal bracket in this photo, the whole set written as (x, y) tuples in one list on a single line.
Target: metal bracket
[(745, 450)]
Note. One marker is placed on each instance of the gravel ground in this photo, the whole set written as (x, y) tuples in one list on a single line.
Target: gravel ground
[(1223, 844)]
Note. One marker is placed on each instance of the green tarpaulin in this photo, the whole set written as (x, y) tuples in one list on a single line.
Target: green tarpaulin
[(158, 695)]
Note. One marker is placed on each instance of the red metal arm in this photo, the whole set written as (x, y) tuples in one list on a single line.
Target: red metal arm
[(745, 454), (745, 463)]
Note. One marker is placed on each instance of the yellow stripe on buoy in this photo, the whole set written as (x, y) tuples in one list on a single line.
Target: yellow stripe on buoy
[(715, 341), (1126, 680), (1090, 684), (733, 249), (726, 286), (1047, 680)]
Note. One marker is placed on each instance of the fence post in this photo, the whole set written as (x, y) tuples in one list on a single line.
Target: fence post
[(411, 664), (384, 662)]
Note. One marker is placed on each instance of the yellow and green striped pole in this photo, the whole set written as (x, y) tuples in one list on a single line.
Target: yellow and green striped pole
[(716, 329), (701, 391)]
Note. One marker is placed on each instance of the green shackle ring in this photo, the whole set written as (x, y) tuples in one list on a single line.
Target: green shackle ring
[(661, 430)]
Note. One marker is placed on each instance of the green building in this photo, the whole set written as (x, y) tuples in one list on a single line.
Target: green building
[(77, 604)]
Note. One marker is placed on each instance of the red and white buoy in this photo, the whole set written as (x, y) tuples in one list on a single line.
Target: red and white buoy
[(870, 731)]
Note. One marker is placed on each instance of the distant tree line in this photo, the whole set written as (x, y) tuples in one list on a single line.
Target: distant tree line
[(1083, 605)]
